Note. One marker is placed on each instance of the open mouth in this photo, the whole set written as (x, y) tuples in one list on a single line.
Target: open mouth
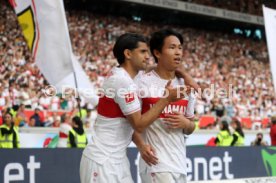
[(177, 60)]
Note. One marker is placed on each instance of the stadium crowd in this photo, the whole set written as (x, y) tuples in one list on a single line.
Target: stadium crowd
[(244, 6), (211, 58)]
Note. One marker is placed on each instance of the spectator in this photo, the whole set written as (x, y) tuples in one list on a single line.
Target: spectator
[(224, 138), (64, 129), (37, 118), (55, 103), (238, 136), (9, 137), (45, 102), (259, 141), (25, 97), (3, 97), (218, 108), (31, 122), (21, 118), (77, 136), (63, 103), (229, 109), (56, 122), (273, 131), (244, 6), (212, 58)]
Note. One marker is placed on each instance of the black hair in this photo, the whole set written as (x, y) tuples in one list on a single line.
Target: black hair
[(157, 40), (225, 126), (78, 121), (126, 41), (239, 127)]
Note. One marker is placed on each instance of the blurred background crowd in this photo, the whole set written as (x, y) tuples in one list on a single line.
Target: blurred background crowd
[(211, 57), (244, 6)]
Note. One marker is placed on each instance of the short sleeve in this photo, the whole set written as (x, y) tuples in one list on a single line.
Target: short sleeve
[(126, 96)]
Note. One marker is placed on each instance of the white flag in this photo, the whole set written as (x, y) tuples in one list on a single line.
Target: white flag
[(86, 90), (270, 29), (45, 28)]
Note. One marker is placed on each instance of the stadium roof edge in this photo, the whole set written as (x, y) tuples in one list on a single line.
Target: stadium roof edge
[(202, 10)]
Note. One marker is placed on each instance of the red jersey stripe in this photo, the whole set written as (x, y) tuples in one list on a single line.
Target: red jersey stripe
[(107, 107)]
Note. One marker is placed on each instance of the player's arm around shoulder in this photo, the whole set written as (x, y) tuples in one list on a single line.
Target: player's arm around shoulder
[(181, 72), (141, 121)]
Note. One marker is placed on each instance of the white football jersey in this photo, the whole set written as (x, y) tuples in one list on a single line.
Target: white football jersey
[(112, 132), (169, 144)]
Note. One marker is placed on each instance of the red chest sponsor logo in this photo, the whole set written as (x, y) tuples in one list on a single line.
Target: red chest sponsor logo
[(129, 97), (170, 109), (179, 106)]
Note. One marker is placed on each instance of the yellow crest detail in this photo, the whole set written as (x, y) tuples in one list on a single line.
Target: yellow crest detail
[(27, 23)]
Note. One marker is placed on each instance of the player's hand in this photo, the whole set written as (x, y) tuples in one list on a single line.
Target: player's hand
[(176, 121), (148, 154), (174, 94)]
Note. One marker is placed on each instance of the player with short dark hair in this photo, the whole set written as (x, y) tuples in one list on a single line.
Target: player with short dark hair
[(119, 114), (166, 134)]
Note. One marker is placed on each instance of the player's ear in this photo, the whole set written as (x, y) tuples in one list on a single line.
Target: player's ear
[(156, 53), (127, 54)]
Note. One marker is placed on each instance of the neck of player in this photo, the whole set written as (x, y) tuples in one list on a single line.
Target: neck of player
[(130, 70), (164, 73)]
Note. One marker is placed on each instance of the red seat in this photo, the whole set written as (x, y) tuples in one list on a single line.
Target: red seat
[(246, 122), (265, 122), (206, 121)]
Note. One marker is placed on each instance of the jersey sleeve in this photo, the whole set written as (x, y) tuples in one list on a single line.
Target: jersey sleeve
[(191, 106), (126, 96)]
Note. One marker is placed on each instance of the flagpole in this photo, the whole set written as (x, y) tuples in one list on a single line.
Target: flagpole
[(77, 90), (72, 62)]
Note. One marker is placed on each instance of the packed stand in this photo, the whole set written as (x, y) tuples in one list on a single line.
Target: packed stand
[(210, 57), (244, 6)]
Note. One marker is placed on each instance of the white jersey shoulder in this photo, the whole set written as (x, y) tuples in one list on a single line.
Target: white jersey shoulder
[(150, 84), (117, 78)]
